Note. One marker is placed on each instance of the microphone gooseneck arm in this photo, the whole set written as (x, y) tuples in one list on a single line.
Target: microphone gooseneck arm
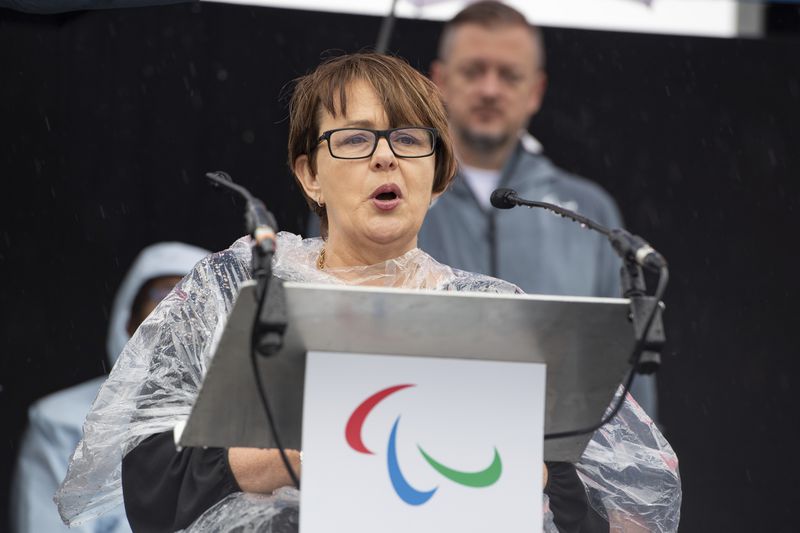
[(259, 222), (507, 198), (629, 247)]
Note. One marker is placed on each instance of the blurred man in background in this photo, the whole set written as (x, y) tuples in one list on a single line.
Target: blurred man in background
[(55, 422), (490, 69)]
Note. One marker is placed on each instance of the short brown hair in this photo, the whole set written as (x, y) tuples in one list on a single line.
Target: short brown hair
[(490, 14), (409, 99)]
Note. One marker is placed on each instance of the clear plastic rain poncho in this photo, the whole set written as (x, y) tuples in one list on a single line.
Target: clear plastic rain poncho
[(629, 467)]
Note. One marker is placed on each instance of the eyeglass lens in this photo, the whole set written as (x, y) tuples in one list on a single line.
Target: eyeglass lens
[(409, 142)]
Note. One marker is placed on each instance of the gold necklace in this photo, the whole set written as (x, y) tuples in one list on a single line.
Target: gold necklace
[(321, 259)]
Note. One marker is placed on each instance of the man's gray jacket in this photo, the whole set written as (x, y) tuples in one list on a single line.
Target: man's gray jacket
[(535, 249)]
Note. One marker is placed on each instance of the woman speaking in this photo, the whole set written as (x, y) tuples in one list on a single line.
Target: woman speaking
[(370, 148)]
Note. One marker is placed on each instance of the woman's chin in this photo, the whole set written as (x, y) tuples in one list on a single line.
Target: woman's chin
[(390, 235), (386, 238)]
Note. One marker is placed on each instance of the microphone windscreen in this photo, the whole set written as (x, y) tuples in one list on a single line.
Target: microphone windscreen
[(501, 198)]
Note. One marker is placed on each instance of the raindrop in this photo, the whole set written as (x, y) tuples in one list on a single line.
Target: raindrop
[(52, 191), (102, 212), (148, 71), (222, 74), (248, 136), (192, 69), (583, 225), (772, 159), (666, 90), (47, 123), (103, 362), (794, 88)]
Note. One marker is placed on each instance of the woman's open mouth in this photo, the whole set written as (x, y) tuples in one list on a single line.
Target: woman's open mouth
[(386, 197)]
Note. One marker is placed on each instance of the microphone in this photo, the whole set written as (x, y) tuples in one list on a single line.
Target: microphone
[(502, 198), (637, 254), (629, 247), (258, 220), (269, 319)]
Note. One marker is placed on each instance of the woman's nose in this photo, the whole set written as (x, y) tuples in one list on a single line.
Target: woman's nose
[(383, 158)]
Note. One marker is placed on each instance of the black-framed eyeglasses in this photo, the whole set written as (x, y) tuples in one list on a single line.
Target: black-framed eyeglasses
[(360, 143)]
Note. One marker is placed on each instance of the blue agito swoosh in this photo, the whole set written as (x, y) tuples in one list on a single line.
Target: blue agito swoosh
[(407, 493)]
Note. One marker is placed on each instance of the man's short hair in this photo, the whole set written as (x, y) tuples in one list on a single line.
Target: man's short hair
[(489, 14)]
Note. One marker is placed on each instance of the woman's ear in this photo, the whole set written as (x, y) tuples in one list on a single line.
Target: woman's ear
[(309, 181)]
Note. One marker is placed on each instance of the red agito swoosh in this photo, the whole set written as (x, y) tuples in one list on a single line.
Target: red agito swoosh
[(352, 431)]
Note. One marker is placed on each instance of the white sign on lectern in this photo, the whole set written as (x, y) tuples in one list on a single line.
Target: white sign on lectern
[(421, 444)]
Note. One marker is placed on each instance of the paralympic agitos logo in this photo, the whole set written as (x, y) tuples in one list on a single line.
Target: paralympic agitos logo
[(412, 496)]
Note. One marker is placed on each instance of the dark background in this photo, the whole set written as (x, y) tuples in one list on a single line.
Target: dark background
[(108, 120)]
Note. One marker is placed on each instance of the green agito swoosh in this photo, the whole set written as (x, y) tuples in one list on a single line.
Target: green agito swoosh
[(484, 478)]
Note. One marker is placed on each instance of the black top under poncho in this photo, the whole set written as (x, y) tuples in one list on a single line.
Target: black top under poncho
[(166, 490)]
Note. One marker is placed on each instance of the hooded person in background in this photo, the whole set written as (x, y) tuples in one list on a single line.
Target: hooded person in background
[(55, 422)]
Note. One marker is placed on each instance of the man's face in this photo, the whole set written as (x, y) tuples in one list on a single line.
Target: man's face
[(491, 82)]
